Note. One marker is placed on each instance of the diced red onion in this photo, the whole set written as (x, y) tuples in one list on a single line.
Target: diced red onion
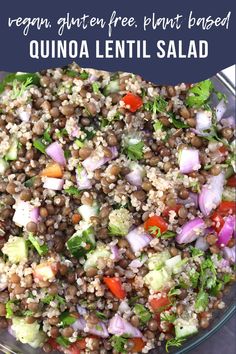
[(203, 122), (79, 325), (228, 122), (83, 182), (191, 231), (211, 194), (220, 110), (115, 254), (92, 78), (93, 162), (223, 263), (189, 160), (24, 116), (74, 132), (55, 184), (138, 239), (229, 254), (3, 278), (123, 307), (192, 199), (135, 177), (201, 244), (81, 310), (56, 152), (11, 332), (119, 326), (25, 213), (227, 231)]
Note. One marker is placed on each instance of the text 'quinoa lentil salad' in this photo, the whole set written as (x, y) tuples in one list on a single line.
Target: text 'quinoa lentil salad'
[(117, 227)]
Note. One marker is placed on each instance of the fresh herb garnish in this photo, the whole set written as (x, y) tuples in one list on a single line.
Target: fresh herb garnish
[(199, 94), (72, 190), (157, 125), (196, 252), (79, 143), (63, 341), (19, 88), (155, 231), (28, 313), (202, 300), (178, 123), (168, 317), (174, 342), (61, 133), (41, 249), (9, 311), (101, 315), (143, 313), (174, 291), (84, 75), (96, 87), (29, 182), (158, 105), (168, 234), (71, 73), (194, 277), (46, 135), (47, 299), (134, 151), (9, 79), (67, 154), (39, 145), (66, 319), (118, 343)]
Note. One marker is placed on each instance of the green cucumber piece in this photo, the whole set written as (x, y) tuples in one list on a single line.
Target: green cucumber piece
[(157, 261), (92, 258), (184, 328), (112, 87), (157, 280), (3, 166)]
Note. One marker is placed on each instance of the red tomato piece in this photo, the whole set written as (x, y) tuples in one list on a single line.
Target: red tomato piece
[(53, 343), (223, 150), (155, 225), (138, 344), (218, 221), (231, 182), (226, 207), (115, 286), (77, 347), (160, 304), (133, 101), (175, 208)]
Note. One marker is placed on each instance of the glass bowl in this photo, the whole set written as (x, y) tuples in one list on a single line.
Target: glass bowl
[(220, 317)]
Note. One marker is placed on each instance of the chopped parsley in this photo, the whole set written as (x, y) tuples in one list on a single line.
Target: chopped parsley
[(19, 88), (119, 343), (157, 125), (199, 94), (22, 78), (9, 310), (72, 73), (46, 135), (63, 341), (174, 291), (134, 151), (194, 277), (84, 75), (202, 300), (101, 315), (158, 105), (28, 313), (79, 143), (47, 299), (39, 145), (96, 87), (154, 230), (29, 182), (168, 317), (41, 249), (168, 234), (66, 319), (72, 190), (196, 252), (174, 343), (143, 313), (61, 133), (178, 123)]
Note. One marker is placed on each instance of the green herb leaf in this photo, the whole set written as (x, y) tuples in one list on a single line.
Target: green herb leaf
[(10, 78), (158, 105), (61, 133), (101, 315), (46, 135), (168, 234), (118, 343), (84, 75), (29, 182), (72, 190), (96, 87), (41, 249), (66, 319), (178, 123), (19, 88), (155, 231), (47, 299), (168, 317), (72, 73), (202, 300), (28, 313), (196, 252), (174, 343), (39, 145), (194, 277), (199, 93), (9, 311), (143, 313), (79, 143), (174, 291), (63, 341), (134, 151), (157, 125)]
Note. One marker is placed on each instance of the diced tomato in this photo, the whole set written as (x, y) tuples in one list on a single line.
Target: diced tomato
[(53, 343), (46, 270), (115, 286), (155, 224), (226, 207), (218, 221), (165, 327), (166, 211), (53, 169), (160, 304), (231, 182), (138, 344), (133, 101), (77, 347), (223, 150)]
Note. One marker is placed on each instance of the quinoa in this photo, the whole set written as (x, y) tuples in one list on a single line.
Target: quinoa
[(100, 217)]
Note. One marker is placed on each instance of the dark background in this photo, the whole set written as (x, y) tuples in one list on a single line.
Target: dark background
[(14, 46)]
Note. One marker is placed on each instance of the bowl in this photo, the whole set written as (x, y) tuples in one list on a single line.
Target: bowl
[(220, 317)]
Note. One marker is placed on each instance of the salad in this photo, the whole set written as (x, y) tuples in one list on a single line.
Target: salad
[(117, 210)]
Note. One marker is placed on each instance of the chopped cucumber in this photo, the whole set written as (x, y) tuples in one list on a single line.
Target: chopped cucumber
[(87, 211), (12, 152), (28, 333), (184, 328), (229, 194), (157, 261), (16, 249), (157, 280), (92, 258), (174, 265), (112, 87), (81, 242), (3, 166), (120, 222)]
